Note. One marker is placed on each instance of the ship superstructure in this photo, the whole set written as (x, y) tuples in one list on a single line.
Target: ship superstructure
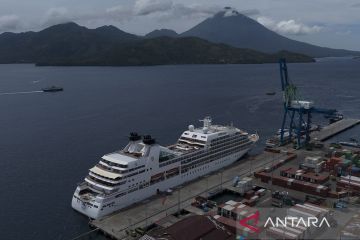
[(144, 168)]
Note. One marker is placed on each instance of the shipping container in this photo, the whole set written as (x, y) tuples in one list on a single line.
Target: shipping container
[(261, 192), (315, 189), (249, 194)]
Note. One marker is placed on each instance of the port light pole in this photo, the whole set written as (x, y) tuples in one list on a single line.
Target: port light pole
[(179, 199)]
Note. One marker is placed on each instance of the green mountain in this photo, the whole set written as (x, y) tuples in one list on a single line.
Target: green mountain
[(70, 44)]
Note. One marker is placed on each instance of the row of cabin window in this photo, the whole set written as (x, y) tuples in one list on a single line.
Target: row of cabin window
[(180, 158), (216, 141), (199, 155), (215, 156), (212, 151), (236, 141)]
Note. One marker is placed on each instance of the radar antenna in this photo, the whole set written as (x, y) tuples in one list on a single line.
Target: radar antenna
[(207, 122)]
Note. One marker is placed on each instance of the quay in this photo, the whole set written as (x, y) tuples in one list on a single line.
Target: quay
[(154, 209), (158, 208), (334, 129)]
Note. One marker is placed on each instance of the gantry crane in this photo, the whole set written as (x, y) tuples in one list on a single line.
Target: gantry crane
[(297, 113)]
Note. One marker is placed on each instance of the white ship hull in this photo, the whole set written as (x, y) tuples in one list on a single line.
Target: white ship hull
[(121, 202)]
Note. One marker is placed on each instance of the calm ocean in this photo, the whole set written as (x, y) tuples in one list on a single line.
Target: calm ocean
[(49, 141)]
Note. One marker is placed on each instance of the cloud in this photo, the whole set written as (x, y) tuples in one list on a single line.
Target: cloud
[(190, 12), (344, 33), (116, 10), (161, 10), (293, 27), (356, 5), (250, 12), (60, 15), (9, 22), (56, 16), (229, 11), (167, 9), (158, 9), (290, 27), (146, 7), (117, 13)]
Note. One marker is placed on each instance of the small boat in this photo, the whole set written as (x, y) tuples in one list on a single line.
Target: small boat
[(270, 93), (52, 89)]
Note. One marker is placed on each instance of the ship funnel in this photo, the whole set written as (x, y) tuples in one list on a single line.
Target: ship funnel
[(147, 139), (134, 137), (205, 130)]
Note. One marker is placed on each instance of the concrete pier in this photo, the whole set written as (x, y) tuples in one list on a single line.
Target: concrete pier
[(334, 129)]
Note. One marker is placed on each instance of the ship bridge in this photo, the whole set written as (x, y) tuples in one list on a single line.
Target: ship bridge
[(201, 137)]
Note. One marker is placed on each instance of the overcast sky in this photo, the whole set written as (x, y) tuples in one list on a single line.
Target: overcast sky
[(331, 23)]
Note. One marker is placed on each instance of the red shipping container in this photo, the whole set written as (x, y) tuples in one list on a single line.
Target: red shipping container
[(249, 194)]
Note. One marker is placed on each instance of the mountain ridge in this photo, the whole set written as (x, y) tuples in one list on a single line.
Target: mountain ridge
[(70, 44), (240, 31), (227, 26)]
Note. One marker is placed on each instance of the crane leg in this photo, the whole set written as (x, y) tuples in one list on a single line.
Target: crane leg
[(283, 127), (291, 125), (308, 127), (299, 145)]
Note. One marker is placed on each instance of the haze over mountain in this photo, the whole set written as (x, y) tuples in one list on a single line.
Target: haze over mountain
[(71, 44), (231, 27)]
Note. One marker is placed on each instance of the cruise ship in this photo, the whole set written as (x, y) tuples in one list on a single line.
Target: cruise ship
[(144, 168)]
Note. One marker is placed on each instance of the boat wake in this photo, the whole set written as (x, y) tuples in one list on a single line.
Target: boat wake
[(16, 93)]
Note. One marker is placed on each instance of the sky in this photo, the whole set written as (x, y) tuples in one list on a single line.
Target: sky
[(329, 23)]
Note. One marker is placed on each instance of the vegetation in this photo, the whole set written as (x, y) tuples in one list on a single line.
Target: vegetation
[(73, 45)]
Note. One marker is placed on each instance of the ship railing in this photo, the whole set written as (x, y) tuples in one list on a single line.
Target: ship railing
[(82, 184)]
